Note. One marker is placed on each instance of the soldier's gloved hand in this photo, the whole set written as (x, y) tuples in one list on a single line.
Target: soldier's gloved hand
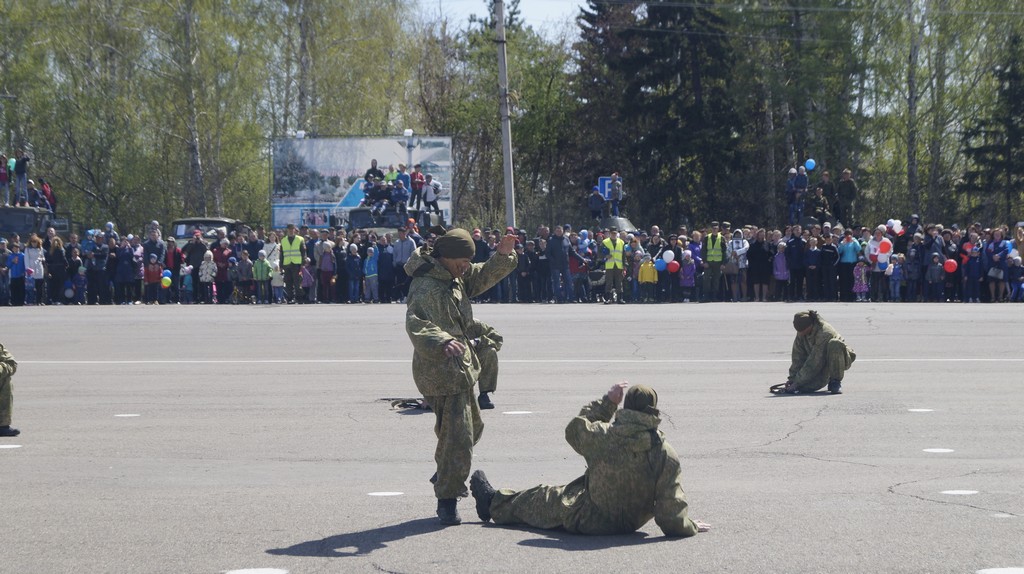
[(617, 391), (454, 348)]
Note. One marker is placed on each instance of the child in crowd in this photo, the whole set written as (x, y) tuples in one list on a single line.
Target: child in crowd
[(636, 264), (185, 293), (688, 276), (860, 279), (780, 271), (812, 259), (935, 277), (647, 278), (233, 279), (153, 275), (1014, 275), (370, 276), (354, 266), (207, 273), (277, 282), (308, 282), (79, 283), (895, 273), (30, 286), (245, 277), (973, 275), (261, 274)]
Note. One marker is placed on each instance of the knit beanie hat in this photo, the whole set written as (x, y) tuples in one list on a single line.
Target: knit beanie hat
[(455, 244), (805, 319), (642, 398)]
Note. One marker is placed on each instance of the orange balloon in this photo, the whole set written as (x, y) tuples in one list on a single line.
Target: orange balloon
[(950, 266)]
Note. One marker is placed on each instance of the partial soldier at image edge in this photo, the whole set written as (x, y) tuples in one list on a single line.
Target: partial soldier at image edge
[(8, 366)]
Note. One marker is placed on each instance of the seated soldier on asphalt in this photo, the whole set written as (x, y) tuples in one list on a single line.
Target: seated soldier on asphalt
[(820, 356), (632, 476)]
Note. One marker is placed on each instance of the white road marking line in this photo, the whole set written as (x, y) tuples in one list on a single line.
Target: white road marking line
[(385, 493), (503, 361), (257, 571), (1001, 571), (938, 450), (5, 446), (920, 410), (960, 492), (1003, 515), (517, 413), (127, 415)]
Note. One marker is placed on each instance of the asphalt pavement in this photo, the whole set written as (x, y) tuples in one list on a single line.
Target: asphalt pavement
[(210, 439)]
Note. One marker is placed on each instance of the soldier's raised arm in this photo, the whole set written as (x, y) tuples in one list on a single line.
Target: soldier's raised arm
[(482, 276), (585, 431)]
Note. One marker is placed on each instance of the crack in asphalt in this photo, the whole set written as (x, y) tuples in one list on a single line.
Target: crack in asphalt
[(892, 490), (823, 459), (799, 427), (380, 568)]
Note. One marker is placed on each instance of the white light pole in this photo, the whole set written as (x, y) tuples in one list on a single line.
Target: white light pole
[(506, 128), (410, 144)]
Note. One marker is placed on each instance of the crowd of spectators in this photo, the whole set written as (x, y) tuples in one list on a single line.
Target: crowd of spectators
[(891, 262)]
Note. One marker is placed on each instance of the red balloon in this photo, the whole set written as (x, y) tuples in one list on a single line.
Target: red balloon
[(885, 246), (874, 258), (949, 266), (673, 266)]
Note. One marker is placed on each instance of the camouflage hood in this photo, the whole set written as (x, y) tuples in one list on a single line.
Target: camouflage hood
[(422, 264), (633, 430)]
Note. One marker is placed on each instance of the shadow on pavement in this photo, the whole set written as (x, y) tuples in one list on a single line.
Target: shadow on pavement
[(562, 540), (360, 543)]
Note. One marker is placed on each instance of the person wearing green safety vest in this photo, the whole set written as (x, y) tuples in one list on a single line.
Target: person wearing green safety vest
[(613, 266), (293, 253), (714, 248)]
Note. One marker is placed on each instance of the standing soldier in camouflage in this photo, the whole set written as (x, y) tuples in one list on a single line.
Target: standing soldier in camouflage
[(820, 356), (632, 476), (8, 367), (447, 347)]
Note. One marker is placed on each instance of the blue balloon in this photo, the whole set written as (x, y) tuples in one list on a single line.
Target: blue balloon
[(660, 265), (809, 164), (166, 273), (883, 265)]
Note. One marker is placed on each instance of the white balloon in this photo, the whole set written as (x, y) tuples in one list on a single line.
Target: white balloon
[(668, 255), (884, 257)]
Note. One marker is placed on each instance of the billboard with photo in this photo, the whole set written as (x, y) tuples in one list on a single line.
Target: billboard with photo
[(317, 181)]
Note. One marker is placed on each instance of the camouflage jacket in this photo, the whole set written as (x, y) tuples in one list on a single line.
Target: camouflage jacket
[(809, 354), (632, 473), (439, 310), (8, 366)]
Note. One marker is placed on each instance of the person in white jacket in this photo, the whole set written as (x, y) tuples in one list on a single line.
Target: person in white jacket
[(736, 252)]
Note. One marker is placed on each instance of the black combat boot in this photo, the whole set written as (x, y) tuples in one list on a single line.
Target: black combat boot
[(447, 512), (485, 401), (8, 431), (483, 492), (835, 386)]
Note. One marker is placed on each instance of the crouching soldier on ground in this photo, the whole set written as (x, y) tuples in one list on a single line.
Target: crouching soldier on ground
[(487, 343), (632, 476), (7, 369), (820, 356)]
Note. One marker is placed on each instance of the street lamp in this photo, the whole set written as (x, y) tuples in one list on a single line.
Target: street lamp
[(410, 145)]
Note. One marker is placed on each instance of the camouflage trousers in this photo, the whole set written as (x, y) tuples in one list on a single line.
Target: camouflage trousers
[(838, 359), (552, 507), (6, 402), (488, 369), (458, 428)]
